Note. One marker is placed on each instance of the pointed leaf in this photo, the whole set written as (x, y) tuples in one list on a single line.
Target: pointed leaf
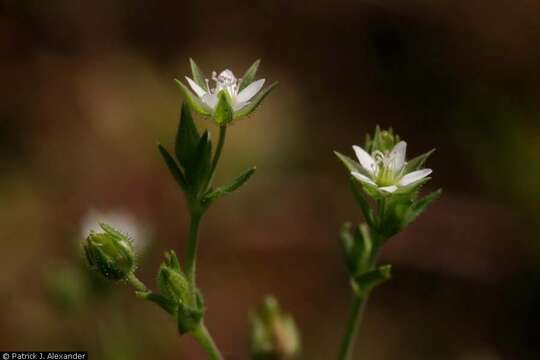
[(198, 175), (198, 75), (187, 138), (173, 167), (364, 283), (362, 202), (417, 162), (193, 100), (224, 113), (249, 75), (254, 103), (232, 186), (163, 302), (419, 206)]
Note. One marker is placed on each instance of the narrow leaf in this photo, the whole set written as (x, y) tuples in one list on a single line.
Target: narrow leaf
[(249, 75), (198, 176), (198, 75), (419, 206), (187, 139), (224, 112), (173, 167), (193, 100), (362, 202), (364, 283), (232, 186), (254, 103)]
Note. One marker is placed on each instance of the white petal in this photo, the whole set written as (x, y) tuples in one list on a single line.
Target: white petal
[(237, 106), (198, 90), (397, 156), (363, 178), (210, 100), (365, 159), (389, 189), (250, 91), (414, 176)]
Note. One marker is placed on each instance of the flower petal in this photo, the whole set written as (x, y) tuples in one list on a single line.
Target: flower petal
[(397, 156), (414, 176), (365, 159), (389, 189), (210, 100), (198, 90), (250, 91), (363, 178)]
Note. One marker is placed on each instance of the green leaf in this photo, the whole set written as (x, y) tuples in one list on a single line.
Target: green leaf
[(166, 304), (254, 103), (229, 188), (193, 100), (224, 113), (187, 318), (418, 207), (249, 75), (349, 163), (198, 75), (198, 176), (417, 162), (358, 246), (365, 282), (173, 167), (187, 139), (362, 202)]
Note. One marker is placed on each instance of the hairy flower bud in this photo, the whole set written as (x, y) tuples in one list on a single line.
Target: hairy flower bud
[(274, 335), (110, 253)]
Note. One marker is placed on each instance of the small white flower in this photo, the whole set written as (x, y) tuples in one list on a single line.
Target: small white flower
[(225, 81), (121, 221), (387, 171)]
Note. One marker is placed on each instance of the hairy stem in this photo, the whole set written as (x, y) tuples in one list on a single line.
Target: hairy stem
[(203, 337), (136, 283), (192, 245)]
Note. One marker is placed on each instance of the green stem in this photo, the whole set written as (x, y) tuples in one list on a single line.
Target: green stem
[(203, 337), (355, 318), (217, 155), (136, 283), (192, 245)]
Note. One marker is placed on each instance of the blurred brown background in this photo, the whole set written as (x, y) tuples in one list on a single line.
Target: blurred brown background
[(87, 91)]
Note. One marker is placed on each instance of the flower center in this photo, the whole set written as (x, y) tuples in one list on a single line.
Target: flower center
[(225, 81), (386, 172)]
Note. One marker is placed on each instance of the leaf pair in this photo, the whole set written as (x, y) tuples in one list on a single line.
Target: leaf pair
[(193, 153)]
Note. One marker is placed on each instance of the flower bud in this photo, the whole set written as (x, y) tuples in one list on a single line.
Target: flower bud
[(110, 253), (274, 335), (179, 296), (383, 140)]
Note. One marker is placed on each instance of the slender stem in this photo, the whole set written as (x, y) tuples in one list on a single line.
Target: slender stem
[(355, 318), (136, 283), (192, 245), (217, 155), (203, 337)]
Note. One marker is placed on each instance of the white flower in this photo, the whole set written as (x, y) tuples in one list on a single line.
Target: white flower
[(121, 221), (387, 171), (225, 81)]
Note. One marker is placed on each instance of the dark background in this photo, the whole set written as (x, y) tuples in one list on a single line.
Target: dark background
[(87, 91)]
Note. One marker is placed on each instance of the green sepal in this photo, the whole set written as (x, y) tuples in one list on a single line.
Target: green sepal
[(417, 162), (165, 303), (224, 113), (365, 282), (358, 248), (419, 206), (231, 187), (198, 75), (254, 103), (188, 318), (174, 285), (357, 190), (193, 101), (187, 139), (249, 75), (173, 168), (349, 163)]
